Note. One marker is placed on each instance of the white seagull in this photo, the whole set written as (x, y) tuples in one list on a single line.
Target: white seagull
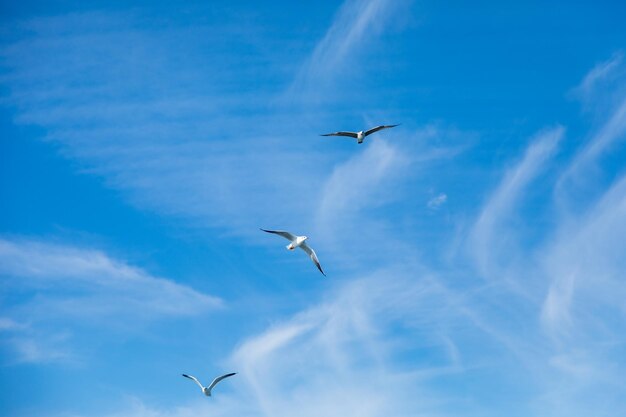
[(360, 136), (298, 242), (207, 390)]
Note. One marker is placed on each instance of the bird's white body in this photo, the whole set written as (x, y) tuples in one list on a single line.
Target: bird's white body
[(360, 136), (299, 240)]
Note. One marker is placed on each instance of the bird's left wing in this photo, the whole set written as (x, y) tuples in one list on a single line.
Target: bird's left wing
[(377, 128), (219, 378), (349, 134), (194, 379), (286, 235), (313, 256)]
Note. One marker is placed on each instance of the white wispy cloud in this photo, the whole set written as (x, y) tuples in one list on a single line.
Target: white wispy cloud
[(37, 348), (28, 264), (341, 355), (70, 284), (567, 277), (356, 23), (390, 342), (585, 262), (598, 74), (603, 90), (583, 259), (437, 201), (175, 133), (353, 184), (133, 406), (583, 164), (491, 236), (351, 195), (140, 120), (9, 324)]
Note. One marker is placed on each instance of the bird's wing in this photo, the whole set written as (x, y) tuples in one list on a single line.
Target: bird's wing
[(194, 379), (349, 134), (286, 235), (313, 256), (219, 378), (377, 128)]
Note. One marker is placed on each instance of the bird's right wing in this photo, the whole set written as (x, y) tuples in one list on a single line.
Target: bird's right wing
[(349, 134), (219, 378), (377, 128), (286, 235), (194, 379), (309, 250)]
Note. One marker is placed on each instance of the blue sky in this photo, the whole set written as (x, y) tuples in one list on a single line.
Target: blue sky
[(475, 253)]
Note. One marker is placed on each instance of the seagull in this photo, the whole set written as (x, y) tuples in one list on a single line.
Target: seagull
[(207, 390), (298, 242), (360, 136)]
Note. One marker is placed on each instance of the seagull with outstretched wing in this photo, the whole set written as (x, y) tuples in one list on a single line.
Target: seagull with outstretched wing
[(298, 242), (360, 136), (207, 390)]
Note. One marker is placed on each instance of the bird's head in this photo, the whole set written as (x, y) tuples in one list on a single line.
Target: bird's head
[(304, 238)]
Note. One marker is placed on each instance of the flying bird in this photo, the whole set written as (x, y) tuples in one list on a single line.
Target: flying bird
[(298, 242), (360, 136), (207, 390)]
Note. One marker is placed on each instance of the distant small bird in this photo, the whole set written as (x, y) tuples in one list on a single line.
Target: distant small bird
[(359, 136), (207, 390), (298, 242)]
